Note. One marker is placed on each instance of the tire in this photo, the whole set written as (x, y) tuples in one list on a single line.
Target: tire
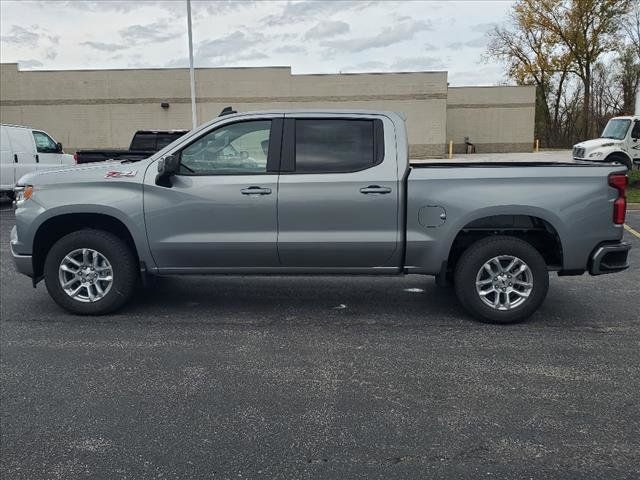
[(624, 160), (516, 301), (114, 259)]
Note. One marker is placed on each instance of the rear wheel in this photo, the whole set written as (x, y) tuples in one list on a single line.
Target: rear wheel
[(90, 272), (501, 280)]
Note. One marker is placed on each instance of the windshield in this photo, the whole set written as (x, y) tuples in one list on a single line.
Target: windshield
[(616, 128)]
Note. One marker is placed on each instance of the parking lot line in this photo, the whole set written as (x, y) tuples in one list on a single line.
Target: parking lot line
[(631, 230)]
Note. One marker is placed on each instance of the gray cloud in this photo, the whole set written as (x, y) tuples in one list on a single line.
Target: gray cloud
[(230, 46), (483, 27), (153, 32), (104, 47), (399, 32), (479, 42), (295, 12), (371, 66), (290, 49), (417, 63), (33, 63), (120, 6), (21, 36), (50, 53), (253, 55), (327, 28)]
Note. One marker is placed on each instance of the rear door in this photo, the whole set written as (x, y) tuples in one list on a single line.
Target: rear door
[(338, 193), (220, 211)]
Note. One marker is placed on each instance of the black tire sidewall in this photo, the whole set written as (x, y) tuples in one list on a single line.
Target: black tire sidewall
[(114, 250), (477, 255), (615, 157)]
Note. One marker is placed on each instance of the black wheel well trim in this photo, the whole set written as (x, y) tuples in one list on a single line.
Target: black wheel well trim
[(537, 233), (56, 227)]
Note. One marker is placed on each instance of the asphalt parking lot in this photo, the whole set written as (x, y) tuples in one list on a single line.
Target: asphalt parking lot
[(339, 377)]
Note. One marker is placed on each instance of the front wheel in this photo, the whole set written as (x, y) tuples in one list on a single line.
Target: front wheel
[(501, 280), (623, 159), (90, 272)]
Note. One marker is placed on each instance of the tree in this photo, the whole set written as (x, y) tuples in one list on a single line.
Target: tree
[(533, 57), (586, 29)]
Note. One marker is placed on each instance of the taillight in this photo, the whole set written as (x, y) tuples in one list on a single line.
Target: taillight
[(75, 157), (619, 181)]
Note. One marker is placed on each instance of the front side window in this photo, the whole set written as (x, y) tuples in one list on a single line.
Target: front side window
[(239, 148), (616, 129), (635, 133), (333, 145), (44, 143)]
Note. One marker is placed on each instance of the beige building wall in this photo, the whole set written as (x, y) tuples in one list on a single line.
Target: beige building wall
[(103, 108), (496, 119)]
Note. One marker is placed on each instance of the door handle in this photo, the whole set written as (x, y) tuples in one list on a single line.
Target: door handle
[(15, 158), (256, 191), (37, 158), (375, 189)]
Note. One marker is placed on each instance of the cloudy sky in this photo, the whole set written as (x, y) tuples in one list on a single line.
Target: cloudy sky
[(312, 36)]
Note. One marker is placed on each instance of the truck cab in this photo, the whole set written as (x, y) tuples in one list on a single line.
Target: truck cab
[(619, 142)]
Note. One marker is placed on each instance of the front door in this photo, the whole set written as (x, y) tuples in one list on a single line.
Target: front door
[(220, 210), (338, 202), (49, 155)]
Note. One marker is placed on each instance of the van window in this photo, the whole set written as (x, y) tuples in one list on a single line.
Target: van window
[(333, 145), (44, 143)]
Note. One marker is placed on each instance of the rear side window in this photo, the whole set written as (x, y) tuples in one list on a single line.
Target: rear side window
[(144, 141), (335, 145)]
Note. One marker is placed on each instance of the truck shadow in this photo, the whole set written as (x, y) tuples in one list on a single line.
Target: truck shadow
[(299, 300)]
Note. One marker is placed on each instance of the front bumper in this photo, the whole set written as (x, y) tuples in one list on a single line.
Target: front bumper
[(23, 263), (609, 258)]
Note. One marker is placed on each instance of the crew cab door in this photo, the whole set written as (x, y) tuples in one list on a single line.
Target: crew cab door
[(338, 193), (220, 210)]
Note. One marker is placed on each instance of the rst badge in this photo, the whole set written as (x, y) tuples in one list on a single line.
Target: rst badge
[(119, 174)]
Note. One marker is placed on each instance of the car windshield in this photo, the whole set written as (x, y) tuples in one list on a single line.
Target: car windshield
[(616, 128)]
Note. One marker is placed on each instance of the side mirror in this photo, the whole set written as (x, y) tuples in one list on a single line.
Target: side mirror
[(58, 147), (167, 167)]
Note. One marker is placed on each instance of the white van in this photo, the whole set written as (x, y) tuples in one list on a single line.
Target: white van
[(24, 150)]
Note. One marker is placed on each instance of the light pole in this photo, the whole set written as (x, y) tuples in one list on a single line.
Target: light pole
[(194, 119)]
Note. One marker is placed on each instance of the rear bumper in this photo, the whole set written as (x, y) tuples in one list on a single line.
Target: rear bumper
[(23, 263), (609, 258)]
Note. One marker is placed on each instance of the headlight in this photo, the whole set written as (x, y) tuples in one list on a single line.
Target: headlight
[(596, 154), (22, 194)]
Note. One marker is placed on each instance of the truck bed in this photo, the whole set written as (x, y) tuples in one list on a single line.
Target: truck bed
[(549, 158)]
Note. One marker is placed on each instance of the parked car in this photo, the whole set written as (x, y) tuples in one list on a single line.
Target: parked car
[(24, 150), (619, 142), (319, 192), (143, 144)]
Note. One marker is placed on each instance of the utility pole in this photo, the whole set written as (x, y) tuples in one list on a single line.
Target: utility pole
[(194, 119)]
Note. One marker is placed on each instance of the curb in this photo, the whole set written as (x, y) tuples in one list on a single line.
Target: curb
[(633, 206)]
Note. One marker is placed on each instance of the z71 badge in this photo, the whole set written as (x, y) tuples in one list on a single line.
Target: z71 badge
[(118, 174)]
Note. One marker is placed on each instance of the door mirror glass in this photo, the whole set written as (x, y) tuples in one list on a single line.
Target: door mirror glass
[(635, 133), (59, 147)]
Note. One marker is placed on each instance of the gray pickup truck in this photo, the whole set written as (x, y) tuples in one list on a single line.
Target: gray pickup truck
[(318, 192)]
